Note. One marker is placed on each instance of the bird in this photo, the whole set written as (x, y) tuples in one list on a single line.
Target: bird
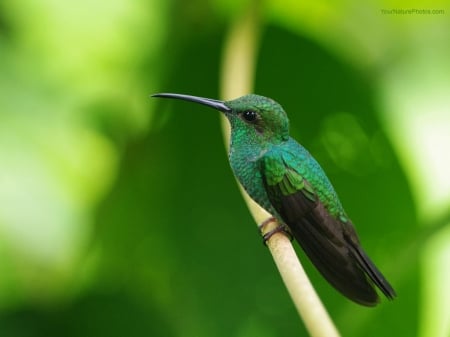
[(285, 179)]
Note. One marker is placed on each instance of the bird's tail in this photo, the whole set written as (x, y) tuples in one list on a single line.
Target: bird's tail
[(373, 273)]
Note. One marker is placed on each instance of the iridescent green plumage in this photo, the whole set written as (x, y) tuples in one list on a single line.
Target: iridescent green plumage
[(281, 176)]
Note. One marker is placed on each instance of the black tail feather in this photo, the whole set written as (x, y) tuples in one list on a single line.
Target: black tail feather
[(372, 272)]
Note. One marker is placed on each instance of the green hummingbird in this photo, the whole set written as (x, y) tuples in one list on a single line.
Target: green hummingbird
[(283, 178)]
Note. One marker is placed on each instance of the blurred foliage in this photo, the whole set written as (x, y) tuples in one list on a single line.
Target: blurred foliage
[(119, 215)]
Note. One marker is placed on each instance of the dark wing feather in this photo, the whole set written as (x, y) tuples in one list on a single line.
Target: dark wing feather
[(331, 244)]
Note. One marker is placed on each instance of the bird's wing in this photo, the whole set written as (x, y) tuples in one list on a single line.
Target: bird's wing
[(330, 243)]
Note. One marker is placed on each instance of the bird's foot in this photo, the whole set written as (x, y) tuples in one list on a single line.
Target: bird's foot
[(279, 229)]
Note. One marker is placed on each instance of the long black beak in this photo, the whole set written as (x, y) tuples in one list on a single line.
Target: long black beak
[(213, 103)]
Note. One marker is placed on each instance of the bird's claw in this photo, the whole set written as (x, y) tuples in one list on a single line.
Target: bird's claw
[(279, 229)]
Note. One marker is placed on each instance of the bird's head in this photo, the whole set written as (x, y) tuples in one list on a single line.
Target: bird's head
[(253, 118)]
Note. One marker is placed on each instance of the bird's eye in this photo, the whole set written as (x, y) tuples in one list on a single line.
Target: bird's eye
[(249, 115)]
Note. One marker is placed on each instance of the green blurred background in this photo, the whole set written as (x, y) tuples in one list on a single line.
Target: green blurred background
[(119, 215)]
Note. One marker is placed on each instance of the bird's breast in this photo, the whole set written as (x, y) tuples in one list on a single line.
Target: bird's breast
[(247, 170)]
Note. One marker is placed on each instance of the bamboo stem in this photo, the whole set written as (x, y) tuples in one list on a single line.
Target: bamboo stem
[(238, 68)]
